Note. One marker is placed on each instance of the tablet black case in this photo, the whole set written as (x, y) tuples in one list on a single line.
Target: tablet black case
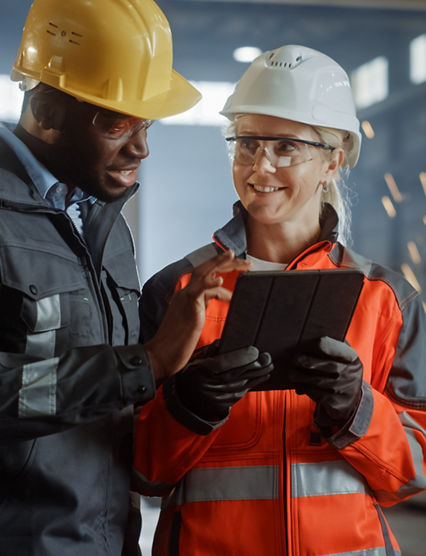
[(279, 311)]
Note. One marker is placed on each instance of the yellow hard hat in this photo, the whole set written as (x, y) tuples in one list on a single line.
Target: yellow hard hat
[(116, 54)]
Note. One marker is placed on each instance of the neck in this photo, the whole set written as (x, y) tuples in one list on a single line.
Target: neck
[(279, 243), (43, 148)]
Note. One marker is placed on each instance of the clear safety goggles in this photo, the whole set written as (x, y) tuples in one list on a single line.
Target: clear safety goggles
[(281, 152), (115, 126)]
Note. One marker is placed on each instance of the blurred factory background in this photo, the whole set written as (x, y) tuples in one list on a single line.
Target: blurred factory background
[(187, 190)]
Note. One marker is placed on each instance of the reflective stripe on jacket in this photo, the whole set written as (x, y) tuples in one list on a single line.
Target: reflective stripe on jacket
[(265, 482)]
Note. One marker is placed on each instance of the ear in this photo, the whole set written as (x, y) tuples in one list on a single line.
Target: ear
[(48, 110), (333, 165)]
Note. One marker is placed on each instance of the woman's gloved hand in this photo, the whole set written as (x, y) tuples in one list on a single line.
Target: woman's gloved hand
[(330, 373), (209, 386)]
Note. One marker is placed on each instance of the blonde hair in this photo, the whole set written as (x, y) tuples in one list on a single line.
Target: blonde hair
[(338, 194)]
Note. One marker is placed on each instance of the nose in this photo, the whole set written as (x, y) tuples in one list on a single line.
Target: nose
[(263, 161), (137, 144)]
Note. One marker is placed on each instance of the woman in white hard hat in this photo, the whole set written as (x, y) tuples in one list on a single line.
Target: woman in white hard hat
[(301, 471)]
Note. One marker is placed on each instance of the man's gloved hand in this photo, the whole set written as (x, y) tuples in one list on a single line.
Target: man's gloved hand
[(210, 385), (330, 373)]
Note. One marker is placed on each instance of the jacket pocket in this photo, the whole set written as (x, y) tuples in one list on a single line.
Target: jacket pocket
[(42, 295), (241, 432)]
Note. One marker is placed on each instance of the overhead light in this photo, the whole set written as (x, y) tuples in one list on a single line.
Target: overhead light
[(246, 54), (205, 112), (417, 59), (370, 82)]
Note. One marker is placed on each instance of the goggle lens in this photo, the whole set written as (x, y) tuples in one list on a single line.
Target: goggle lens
[(115, 126), (281, 152)]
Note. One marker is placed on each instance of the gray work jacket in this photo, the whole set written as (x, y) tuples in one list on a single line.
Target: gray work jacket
[(69, 374)]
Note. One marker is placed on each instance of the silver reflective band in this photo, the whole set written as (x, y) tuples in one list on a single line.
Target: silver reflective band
[(261, 482), (48, 313), (379, 551), (48, 320), (41, 345), (37, 396), (325, 478), (408, 421), (201, 255), (227, 483)]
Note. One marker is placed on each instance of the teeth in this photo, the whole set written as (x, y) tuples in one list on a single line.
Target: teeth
[(126, 172), (264, 189)]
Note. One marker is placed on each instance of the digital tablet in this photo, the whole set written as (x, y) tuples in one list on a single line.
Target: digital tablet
[(280, 310)]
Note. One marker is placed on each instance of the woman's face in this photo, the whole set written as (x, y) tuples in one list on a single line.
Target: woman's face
[(280, 194)]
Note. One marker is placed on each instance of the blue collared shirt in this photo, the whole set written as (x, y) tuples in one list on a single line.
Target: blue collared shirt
[(50, 189)]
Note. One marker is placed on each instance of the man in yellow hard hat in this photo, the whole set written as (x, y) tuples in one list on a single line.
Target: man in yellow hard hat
[(72, 365)]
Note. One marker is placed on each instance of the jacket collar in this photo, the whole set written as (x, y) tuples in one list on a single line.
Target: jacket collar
[(233, 234)]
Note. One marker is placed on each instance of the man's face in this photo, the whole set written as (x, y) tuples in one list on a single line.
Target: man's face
[(99, 151)]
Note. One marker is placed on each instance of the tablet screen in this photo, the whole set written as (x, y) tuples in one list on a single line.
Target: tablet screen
[(280, 310)]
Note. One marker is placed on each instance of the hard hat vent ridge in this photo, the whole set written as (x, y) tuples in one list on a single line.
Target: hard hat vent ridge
[(53, 30), (283, 59)]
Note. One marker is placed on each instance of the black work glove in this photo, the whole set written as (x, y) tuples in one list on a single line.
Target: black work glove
[(330, 373), (210, 386)]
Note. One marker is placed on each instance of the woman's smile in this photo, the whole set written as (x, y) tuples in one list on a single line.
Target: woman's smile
[(265, 188)]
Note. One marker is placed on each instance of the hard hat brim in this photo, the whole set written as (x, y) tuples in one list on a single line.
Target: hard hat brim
[(180, 96)]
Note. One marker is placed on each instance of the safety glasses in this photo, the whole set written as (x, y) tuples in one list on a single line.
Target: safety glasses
[(281, 152), (116, 126)]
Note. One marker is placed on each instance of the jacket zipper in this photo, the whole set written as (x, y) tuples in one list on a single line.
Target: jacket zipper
[(284, 478), (92, 279)]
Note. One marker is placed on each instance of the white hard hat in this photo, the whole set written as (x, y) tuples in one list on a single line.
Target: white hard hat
[(300, 84)]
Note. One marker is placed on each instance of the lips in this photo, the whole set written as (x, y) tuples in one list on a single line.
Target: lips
[(124, 177)]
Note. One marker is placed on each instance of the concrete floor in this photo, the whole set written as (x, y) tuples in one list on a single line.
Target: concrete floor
[(407, 520)]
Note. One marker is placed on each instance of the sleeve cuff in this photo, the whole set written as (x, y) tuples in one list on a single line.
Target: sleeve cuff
[(358, 425), (136, 377)]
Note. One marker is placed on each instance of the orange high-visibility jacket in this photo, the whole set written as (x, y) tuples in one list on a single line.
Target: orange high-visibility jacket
[(265, 482)]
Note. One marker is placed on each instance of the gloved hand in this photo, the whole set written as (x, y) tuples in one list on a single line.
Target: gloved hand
[(330, 373), (209, 386)]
